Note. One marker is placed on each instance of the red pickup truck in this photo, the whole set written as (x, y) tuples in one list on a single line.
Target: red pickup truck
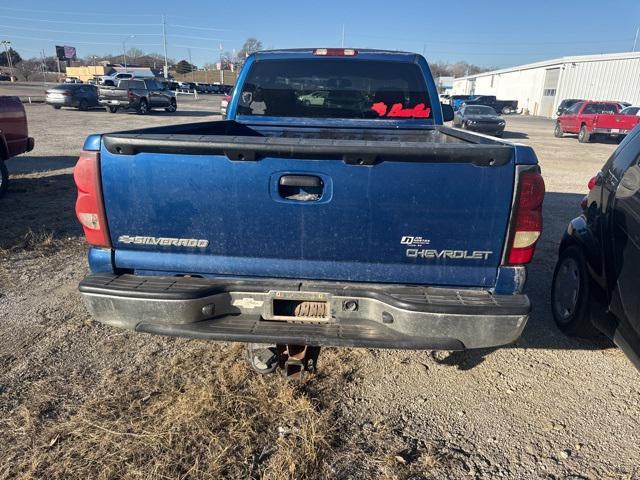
[(590, 119), (14, 135)]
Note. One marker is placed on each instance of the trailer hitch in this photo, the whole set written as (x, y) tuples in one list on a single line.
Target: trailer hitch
[(294, 361)]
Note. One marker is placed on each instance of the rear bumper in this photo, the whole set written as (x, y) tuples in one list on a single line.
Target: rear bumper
[(117, 103), (59, 101), (611, 131), (386, 316)]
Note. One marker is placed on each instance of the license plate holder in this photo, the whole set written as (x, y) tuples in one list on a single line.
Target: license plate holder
[(297, 307)]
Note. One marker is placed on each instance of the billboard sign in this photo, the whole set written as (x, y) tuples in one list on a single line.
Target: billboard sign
[(65, 52)]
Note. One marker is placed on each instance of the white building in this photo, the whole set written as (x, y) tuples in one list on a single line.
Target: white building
[(540, 87)]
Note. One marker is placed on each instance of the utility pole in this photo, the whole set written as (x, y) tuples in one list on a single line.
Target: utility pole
[(191, 66), (124, 55), (164, 44), (342, 43), (44, 69), (635, 40)]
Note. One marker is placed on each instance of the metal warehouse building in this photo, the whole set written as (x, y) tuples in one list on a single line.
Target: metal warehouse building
[(540, 87)]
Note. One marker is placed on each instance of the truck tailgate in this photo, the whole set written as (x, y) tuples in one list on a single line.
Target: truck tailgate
[(435, 216), (619, 122)]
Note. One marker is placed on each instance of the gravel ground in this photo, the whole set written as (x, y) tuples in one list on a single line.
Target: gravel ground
[(547, 407)]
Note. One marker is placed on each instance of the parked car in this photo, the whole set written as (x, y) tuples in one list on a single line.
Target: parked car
[(566, 104), (224, 103), (5, 77), (594, 119), (479, 118), (189, 87), (112, 80), (500, 106), (226, 89), (456, 101), (72, 80), (595, 283), (80, 96), (243, 229), (139, 95), (201, 87), (14, 135), (630, 111)]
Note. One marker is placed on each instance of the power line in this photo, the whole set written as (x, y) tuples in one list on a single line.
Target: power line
[(81, 43), (67, 22), (197, 38), (76, 33), (200, 28), (54, 12)]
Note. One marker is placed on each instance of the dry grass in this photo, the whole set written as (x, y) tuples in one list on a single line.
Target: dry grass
[(202, 414)]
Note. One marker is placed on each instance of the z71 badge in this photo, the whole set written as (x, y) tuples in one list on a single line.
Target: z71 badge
[(164, 241)]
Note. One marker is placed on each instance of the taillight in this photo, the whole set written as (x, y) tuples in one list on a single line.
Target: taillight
[(592, 183), (335, 52), (527, 221), (89, 205)]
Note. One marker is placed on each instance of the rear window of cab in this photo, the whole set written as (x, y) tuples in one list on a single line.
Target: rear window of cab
[(335, 88)]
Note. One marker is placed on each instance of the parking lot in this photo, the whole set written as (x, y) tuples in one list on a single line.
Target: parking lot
[(79, 397)]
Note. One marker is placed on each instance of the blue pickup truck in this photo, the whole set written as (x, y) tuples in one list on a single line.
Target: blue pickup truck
[(332, 207)]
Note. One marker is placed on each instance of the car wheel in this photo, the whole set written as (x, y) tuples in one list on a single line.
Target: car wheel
[(172, 106), (583, 135), (84, 105), (112, 109), (56, 107), (570, 294), (506, 110), (4, 178), (557, 132), (143, 108)]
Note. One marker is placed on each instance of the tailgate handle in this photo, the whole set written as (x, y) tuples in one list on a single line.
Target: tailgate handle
[(301, 181), (300, 188)]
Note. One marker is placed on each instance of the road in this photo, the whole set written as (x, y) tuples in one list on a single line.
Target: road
[(72, 390)]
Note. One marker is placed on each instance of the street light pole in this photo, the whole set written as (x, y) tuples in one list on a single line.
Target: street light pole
[(164, 44), (124, 53), (7, 50)]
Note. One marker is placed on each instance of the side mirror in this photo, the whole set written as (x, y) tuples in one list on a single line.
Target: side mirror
[(447, 112)]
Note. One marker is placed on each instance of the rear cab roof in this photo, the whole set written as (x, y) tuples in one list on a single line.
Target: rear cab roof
[(362, 54)]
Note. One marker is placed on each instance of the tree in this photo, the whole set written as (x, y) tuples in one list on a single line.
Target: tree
[(134, 53), (251, 45), (28, 69), (185, 67), (15, 57)]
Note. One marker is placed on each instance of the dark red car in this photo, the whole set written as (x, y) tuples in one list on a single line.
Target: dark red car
[(591, 119), (14, 135)]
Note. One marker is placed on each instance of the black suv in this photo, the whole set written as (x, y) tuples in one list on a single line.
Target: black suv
[(594, 283)]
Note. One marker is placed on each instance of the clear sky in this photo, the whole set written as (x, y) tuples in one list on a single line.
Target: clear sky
[(489, 33)]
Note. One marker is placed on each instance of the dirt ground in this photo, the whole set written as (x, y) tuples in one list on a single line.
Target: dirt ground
[(80, 400)]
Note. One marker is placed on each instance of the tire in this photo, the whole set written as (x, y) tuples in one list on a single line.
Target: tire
[(173, 106), (506, 111), (557, 132), (584, 136), (56, 107), (4, 178), (112, 109), (570, 287), (143, 107), (84, 105)]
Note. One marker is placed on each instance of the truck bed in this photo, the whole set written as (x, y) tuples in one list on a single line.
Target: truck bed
[(359, 146)]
